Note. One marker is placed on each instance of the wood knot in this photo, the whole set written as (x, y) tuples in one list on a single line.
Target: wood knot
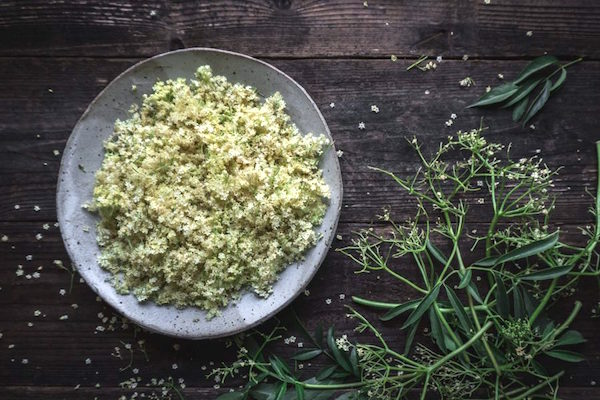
[(283, 4)]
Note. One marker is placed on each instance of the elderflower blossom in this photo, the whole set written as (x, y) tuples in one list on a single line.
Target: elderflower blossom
[(204, 175), (342, 343)]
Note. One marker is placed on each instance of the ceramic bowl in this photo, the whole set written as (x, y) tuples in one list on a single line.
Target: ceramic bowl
[(83, 156)]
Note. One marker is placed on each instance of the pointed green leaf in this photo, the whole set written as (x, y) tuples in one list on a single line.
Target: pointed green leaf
[(347, 396), (496, 95), (279, 367), (538, 102), (518, 306), (528, 300), (519, 110), (524, 89), (326, 372), (528, 250), (560, 80), (307, 354), (264, 391), (400, 309), (459, 311), (472, 289), (569, 338), (299, 391), (435, 252), (465, 279), (536, 65), (502, 305), (564, 355), (354, 362), (410, 337), (548, 329), (231, 396), (549, 273), (422, 307), (337, 354), (436, 330), (539, 368), (281, 391)]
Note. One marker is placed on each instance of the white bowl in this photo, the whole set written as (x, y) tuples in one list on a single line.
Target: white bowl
[(85, 148)]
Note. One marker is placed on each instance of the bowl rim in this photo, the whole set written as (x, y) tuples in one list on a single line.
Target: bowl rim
[(134, 318)]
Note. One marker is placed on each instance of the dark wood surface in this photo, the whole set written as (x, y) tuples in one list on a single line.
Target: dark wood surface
[(56, 57)]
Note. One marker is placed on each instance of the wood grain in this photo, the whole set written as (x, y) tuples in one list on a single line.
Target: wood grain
[(28, 166), (302, 28)]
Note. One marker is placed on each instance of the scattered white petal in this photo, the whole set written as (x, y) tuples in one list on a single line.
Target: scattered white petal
[(88, 361), (529, 33), (36, 208), (56, 152), (339, 153), (394, 58), (63, 317), (339, 237), (500, 76), (62, 292), (17, 206), (174, 366), (4, 238), (39, 236)]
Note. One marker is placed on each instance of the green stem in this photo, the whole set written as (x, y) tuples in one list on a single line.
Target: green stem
[(460, 349), (488, 239), (543, 302), (538, 386)]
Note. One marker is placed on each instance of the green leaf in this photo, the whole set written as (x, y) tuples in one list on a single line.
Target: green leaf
[(496, 95), (528, 300), (536, 65), (549, 273), (231, 396), (354, 362), (459, 311), (569, 338), (528, 250), (472, 289), (519, 110), (337, 354), (502, 305), (465, 279), (561, 79), (281, 391), (279, 367), (524, 90), (400, 309), (299, 391), (538, 102), (539, 368), (326, 372), (422, 307), (264, 391), (436, 330), (435, 252), (564, 355), (518, 306), (410, 337), (347, 396), (307, 354)]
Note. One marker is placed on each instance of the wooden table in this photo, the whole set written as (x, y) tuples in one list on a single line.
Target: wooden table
[(57, 57)]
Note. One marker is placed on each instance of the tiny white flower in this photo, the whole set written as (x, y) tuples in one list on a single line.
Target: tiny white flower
[(88, 361), (449, 122), (327, 301), (500, 76), (529, 33), (39, 236), (361, 125), (332, 105), (63, 317), (438, 59), (465, 57), (4, 238), (427, 91), (17, 206), (374, 108), (56, 152), (342, 296), (394, 58), (29, 257), (306, 292), (488, 88), (453, 116), (36, 208), (339, 153), (62, 292), (24, 361), (174, 366), (339, 237)]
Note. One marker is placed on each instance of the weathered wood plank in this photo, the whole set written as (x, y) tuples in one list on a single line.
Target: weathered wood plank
[(302, 28), (56, 349), (29, 166)]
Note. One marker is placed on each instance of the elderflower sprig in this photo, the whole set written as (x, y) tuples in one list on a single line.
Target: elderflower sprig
[(490, 318)]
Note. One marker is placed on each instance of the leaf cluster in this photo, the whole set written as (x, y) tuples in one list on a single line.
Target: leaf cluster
[(530, 90)]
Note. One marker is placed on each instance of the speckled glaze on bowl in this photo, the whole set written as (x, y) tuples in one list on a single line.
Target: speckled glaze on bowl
[(83, 156)]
